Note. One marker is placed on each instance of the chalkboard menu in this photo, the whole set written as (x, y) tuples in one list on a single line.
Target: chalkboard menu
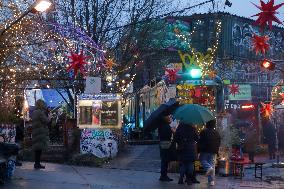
[(109, 113), (85, 115)]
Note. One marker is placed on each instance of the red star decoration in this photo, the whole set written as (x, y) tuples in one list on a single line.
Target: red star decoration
[(234, 89), (282, 96), (267, 14), (172, 74), (260, 43), (77, 63), (266, 109)]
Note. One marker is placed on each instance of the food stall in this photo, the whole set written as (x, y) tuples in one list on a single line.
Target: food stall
[(100, 120)]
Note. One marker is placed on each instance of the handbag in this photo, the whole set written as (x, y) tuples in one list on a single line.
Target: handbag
[(165, 144)]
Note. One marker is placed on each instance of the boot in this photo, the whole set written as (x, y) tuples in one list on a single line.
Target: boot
[(180, 180), (165, 178), (188, 179), (194, 180), (39, 166)]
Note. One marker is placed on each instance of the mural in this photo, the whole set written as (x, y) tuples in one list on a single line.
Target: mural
[(8, 133), (100, 142)]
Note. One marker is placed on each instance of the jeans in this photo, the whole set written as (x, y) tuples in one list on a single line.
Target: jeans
[(208, 161), (164, 167), (186, 168)]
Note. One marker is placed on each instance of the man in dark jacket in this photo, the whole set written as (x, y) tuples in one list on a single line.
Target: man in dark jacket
[(186, 137), (166, 147), (270, 136), (209, 143), (19, 138)]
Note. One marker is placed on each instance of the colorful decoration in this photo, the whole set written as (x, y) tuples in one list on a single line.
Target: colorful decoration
[(282, 96), (234, 89), (260, 44), (77, 63), (277, 93), (267, 14), (172, 74), (109, 63), (267, 109)]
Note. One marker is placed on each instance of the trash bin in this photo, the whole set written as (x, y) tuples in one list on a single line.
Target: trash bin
[(224, 167)]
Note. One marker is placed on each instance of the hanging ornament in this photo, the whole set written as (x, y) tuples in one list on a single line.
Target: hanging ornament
[(109, 63), (172, 74), (234, 89), (267, 109), (260, 44), (267, 14), (77, 63)]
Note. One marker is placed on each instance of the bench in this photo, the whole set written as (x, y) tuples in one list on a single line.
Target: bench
[(238, 168)]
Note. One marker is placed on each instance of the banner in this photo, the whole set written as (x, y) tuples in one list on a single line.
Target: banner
[(244, 93)]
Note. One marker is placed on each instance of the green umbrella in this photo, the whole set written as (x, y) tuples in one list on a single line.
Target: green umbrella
[(193, 114)]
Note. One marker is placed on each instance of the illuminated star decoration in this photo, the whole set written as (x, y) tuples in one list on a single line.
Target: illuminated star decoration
[(260, 44), (77, 63), (109, 63), (266, 109), (267, 14), (172, 74), (282, 97), (234, 89)]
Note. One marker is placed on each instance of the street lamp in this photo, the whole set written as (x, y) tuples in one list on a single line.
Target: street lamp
[(38, 6)]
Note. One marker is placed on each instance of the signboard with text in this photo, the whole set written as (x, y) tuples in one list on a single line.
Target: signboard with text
[(243, 93)]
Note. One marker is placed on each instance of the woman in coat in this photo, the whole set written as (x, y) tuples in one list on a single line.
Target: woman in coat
[(39, 132), (186, 137), (166, 147)]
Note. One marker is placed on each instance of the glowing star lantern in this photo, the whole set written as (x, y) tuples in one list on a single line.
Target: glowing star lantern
[(267, 14), (172, 74), (266, 109), (234, 89), (260, 44), (109, 63), (77, 63)]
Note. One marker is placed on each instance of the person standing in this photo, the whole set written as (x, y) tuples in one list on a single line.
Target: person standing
[(166, 146), (270, 137), (19, 138), (39, 132), (186, 137), (209, 144), (251, 140)]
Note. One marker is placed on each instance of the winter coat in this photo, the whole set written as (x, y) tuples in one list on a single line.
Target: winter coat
[(20, 130), (269, 134), (40, 137), (165, 134), (209, 141), (186, 137), (251, 141)]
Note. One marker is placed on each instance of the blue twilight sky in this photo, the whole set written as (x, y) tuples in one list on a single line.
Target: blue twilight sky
[(239, 7)]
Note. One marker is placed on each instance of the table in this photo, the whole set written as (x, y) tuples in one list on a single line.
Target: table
[(238, 168)]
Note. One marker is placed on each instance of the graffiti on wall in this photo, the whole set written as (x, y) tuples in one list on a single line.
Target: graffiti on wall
[(8, 133), (242, 34), (100, 142)]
